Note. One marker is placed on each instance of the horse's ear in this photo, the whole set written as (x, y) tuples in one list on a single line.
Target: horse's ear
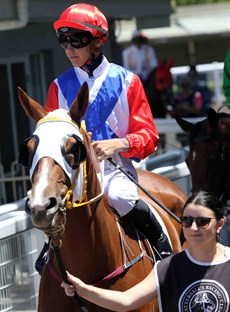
[(33, 109), (184, 124), (80, 104), (212, 117)]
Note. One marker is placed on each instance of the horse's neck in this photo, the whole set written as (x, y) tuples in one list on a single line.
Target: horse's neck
[(94, 187)]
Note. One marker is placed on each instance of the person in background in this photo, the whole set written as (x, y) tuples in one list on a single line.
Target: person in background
[(118, 116), (196, 279), (140, 56), (226, 79), (187, 102), (199, 85)]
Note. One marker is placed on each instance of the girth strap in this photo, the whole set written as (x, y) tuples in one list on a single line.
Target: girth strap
[(121, 269)]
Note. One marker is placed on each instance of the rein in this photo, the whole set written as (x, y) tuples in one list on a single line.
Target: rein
[(55, 244), (64, 275)]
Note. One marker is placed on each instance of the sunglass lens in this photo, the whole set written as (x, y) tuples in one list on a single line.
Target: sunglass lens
[(186, 221), (201, 221), (77, 41), (63, 41)]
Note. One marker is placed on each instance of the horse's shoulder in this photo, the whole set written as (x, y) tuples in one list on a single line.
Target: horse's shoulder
[(110, 209)]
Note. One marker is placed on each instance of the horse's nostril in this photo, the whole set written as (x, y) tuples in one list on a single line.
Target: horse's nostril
[(27, 207), (52, 203)]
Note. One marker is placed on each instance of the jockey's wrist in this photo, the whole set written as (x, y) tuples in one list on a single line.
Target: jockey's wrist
[(123, 145)]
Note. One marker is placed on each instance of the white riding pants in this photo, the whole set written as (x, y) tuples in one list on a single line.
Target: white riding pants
[(122, 193)]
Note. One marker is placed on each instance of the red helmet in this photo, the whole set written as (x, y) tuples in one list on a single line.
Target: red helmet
[(86, 17)]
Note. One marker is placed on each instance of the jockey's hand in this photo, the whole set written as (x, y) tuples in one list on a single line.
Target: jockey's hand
[(106, 148)]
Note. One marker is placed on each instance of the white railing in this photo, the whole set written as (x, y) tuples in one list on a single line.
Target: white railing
[(13, 184)]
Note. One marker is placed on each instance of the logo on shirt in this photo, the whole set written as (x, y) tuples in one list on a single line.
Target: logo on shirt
[(204, 296)]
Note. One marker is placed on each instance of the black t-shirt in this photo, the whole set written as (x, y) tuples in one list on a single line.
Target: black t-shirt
[(187, 285)]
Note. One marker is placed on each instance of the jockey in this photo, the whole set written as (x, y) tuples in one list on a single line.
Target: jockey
[(118, 116)]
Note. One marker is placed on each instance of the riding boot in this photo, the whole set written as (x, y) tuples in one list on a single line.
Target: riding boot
[(144, 220)]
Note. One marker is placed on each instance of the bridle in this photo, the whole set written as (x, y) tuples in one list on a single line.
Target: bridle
[(80, 169), (67, 203)]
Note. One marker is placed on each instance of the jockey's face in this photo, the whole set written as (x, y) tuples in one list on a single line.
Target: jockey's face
[(78, 57), (82, 56)]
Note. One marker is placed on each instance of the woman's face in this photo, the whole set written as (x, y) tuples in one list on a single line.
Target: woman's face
[(201, 235)]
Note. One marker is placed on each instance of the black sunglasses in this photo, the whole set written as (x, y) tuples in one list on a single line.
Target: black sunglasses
[(77, 41), (201, 222)]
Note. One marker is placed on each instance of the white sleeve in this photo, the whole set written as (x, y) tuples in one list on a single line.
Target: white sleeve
[(158, 287)]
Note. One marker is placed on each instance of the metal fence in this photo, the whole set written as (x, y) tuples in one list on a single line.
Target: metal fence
[(14, 183), (20, 245)]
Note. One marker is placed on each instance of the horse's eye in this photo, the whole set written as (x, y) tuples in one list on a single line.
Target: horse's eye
[(73, 150)]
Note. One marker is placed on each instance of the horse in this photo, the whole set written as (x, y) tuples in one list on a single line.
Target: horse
[(67, 203), (208, 159)]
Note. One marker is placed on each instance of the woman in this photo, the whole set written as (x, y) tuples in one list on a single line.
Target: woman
[(196, 279)]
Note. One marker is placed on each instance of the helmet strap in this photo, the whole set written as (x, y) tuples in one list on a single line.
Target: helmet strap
[(93, 63)]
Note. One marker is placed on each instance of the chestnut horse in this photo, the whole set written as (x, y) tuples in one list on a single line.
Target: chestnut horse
[(208, 159), (67, 203)]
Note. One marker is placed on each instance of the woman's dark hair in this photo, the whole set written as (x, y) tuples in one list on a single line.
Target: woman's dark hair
[(209, 200)]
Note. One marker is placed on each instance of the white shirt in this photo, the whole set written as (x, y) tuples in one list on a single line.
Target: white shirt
[(140, 61)]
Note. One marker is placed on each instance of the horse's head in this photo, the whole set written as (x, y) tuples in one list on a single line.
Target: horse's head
[(53, 154), (204, 159)]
